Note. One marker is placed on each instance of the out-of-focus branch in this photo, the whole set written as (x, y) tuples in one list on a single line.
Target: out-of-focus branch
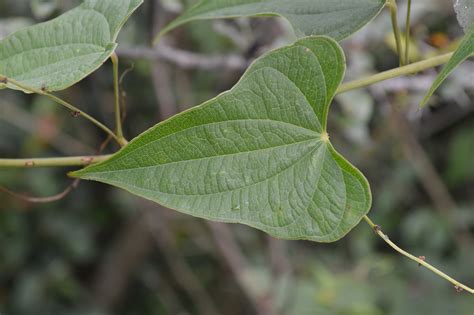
[(281, 268), (424, 169), (158, 224), (161, 72), (184, 59), (429, 177), (62, 142), (163, 89), (238, 264), (278, 252), (132, 246)]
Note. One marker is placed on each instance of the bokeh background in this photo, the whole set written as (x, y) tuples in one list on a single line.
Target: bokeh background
[(100, 251)]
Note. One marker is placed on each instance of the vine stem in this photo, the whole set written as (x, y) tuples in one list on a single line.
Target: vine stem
[(79, 161), (118, 115), (407, 32), (421, 261), (50, 162), (390, 74), (74, 110), (392, 5)]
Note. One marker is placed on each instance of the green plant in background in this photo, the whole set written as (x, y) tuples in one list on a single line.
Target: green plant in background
[(335, 18), (258, 154)]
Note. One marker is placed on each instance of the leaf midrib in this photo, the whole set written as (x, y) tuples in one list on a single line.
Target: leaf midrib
[(310, 152), (316, 137), (316, 140)]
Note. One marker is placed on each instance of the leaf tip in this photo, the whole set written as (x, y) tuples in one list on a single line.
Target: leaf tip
[(160, 35), (424, 102), (78, 174), (74, 174), (157, 39)]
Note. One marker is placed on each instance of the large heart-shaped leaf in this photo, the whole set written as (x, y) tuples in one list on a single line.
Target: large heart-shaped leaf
[(464, 51), (58, 53), (258, 154), (334, 18)]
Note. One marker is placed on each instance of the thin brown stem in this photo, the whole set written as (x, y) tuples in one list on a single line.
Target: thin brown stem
[(49, 199), (237, 262), (422, 165), (422, 262)]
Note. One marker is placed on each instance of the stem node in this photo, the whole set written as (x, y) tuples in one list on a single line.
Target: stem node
[(420, 260), (52, 162)]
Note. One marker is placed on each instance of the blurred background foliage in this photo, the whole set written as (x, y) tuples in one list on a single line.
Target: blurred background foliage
[(102, 251)]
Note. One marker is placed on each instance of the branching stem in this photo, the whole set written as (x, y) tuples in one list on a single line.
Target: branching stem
[(421, 261), (392, 5), (118, 115)]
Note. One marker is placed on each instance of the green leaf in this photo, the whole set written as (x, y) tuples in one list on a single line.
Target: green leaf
[(258, 154), (334, 18), (464, 51), (58, 53)]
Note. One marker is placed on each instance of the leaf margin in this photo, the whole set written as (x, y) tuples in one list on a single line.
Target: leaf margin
[(109, 48), (338, 158), (181, 20), (464, 51)]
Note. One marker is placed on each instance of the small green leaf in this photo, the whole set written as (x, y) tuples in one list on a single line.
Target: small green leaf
[(58, 53), (464, 51), (334, 18), (258, 154)]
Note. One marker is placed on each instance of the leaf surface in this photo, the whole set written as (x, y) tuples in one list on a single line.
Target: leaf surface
[(464, 12), (464, 51), (258, 154), (58, 53), (334, 18)]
